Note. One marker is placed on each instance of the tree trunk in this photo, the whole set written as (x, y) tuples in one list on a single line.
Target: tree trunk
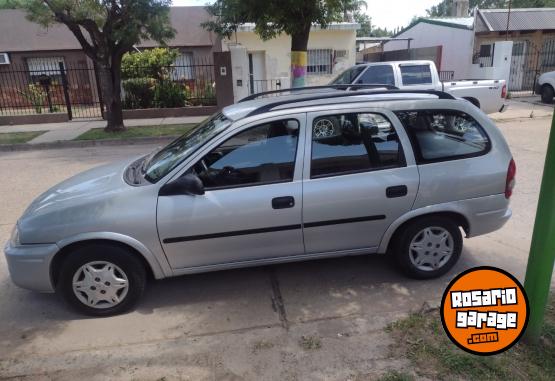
[(109, 76), (299, 44)]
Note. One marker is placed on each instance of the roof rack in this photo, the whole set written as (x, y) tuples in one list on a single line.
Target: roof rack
[(333, 87), (269, 106)]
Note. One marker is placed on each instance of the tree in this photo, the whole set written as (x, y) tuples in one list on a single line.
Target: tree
[(352, 7), (9, 4), (274, 17), (365, 24), (106, 30)]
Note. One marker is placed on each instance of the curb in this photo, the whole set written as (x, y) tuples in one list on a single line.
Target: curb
[(85, 143)]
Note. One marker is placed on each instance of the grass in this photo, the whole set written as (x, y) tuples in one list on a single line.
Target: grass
[(421, 339), (310, 343), (137, 132), (18, 137)]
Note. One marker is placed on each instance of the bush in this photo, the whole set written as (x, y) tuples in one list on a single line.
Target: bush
[(150, 63), (139, 93), (35, 95), (203, 95), (169, 94)]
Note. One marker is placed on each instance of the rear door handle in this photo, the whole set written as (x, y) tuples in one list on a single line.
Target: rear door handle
[(283, 202), (396, 191)]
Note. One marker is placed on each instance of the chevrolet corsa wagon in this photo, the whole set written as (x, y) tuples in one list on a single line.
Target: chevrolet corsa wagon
[(280, 177)]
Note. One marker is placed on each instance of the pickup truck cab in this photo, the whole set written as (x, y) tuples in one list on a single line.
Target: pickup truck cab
[(487, 94), (545, 86)]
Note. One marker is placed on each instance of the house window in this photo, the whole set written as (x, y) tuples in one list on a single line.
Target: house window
[(183, 67), (319, 61), (49, 66), (485, 50)]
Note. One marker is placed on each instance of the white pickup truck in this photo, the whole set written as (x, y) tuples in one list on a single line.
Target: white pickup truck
[(487, 94)]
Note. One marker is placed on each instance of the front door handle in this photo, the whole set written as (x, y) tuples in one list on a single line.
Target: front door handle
[(283, 202), (396, 191)]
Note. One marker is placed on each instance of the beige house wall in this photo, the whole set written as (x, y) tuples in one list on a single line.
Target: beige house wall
[(277, 52)]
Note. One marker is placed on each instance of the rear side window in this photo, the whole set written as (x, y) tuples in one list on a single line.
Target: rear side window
[(381, 74), (444, 134), (416, 74), (350, 143)]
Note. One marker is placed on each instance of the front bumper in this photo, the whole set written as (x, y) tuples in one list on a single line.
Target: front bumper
[(29, 265)]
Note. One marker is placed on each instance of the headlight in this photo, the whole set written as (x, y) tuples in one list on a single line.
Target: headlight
[(14, 239)]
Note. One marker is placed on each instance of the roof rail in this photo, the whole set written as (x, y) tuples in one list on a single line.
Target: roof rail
[(333, 87), (269, 106)]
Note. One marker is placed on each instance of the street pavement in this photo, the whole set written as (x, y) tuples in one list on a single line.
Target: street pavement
[(241, 324)]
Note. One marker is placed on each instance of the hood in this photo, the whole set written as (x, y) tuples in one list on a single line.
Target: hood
[(86, 187)]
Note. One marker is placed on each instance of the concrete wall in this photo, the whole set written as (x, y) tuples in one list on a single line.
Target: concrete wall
[(277, 52), (501, 68), (457, 45)]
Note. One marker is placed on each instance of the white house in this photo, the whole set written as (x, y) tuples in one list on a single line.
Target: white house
[(266, 65), (455, 35)]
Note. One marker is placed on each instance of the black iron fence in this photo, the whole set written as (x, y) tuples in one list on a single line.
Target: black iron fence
[(261, 85), (51, 86), (528, 62), (446, 75)]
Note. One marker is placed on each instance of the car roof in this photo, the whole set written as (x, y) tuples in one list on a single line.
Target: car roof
[(406, 63), (318, 97)]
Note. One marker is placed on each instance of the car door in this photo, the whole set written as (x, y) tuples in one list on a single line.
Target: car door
[(359, 177), (251, 208)]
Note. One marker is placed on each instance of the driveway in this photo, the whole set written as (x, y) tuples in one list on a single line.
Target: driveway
[(313, 320)]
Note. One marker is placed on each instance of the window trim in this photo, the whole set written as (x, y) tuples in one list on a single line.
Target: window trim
[(225, 187), (415, 84), (420, 160), (402, 157)]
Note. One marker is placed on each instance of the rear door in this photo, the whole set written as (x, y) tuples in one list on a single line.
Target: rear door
[(359, 177)]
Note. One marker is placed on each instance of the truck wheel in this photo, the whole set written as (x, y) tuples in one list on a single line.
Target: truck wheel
[(101, 280), (547, 94), (428, 247), (474, 101)]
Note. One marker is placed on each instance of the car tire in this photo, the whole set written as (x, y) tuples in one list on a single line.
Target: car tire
[(325, 128), (427, 247), (101, 279), (547, 94)]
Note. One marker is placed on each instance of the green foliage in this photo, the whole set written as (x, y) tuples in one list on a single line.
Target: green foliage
[(273, 17), (35, 95), (139, 92), (169, 94), (150, 63), (10, 4), (203, 94)]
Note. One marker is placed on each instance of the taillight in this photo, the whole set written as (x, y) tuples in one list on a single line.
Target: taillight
[(504, 92), (510, 184)]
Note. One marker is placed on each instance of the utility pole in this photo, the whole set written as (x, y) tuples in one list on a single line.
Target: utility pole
[(542, 250), (508, 20)]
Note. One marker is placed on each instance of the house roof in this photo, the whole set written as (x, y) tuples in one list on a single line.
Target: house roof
[(249, 27), (466, 23), (17, 34), (495, 20)]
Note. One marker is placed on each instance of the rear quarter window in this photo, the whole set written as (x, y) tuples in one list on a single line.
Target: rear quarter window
[(416, 74), (444, 135)]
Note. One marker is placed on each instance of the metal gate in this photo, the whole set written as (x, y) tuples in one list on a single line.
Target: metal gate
[(46, 86), (528, 62)]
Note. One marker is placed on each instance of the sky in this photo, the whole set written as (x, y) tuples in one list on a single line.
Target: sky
[(385, 13)]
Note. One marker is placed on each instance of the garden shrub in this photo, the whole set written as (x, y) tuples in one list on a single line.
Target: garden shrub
[(139, 93)]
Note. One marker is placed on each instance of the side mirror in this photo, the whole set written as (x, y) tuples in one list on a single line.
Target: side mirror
[(189, 184)]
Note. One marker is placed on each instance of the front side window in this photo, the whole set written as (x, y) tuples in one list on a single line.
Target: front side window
[(350, 143), (348, 76), (416, 74), (260, 155), (444, 134), (381, 74), (169, 157)]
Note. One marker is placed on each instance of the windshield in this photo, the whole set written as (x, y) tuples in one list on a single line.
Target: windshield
[(348, 76), (170, 156)]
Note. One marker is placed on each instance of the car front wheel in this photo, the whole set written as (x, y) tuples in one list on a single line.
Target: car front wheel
[(101, 280), (428, 247), (547, 94)]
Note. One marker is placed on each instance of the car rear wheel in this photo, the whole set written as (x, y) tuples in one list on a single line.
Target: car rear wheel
[(428, 247), (547, 94), (101, 280)]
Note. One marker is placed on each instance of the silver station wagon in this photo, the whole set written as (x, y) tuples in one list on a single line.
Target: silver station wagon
[(278, 177)]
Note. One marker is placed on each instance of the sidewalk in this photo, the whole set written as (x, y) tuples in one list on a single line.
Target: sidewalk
[(71, 130), (524, 107)]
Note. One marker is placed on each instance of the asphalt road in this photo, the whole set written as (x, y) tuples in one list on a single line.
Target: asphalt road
[(238, 324)]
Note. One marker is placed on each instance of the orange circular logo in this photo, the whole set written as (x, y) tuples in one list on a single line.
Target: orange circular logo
[(484, 310)]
